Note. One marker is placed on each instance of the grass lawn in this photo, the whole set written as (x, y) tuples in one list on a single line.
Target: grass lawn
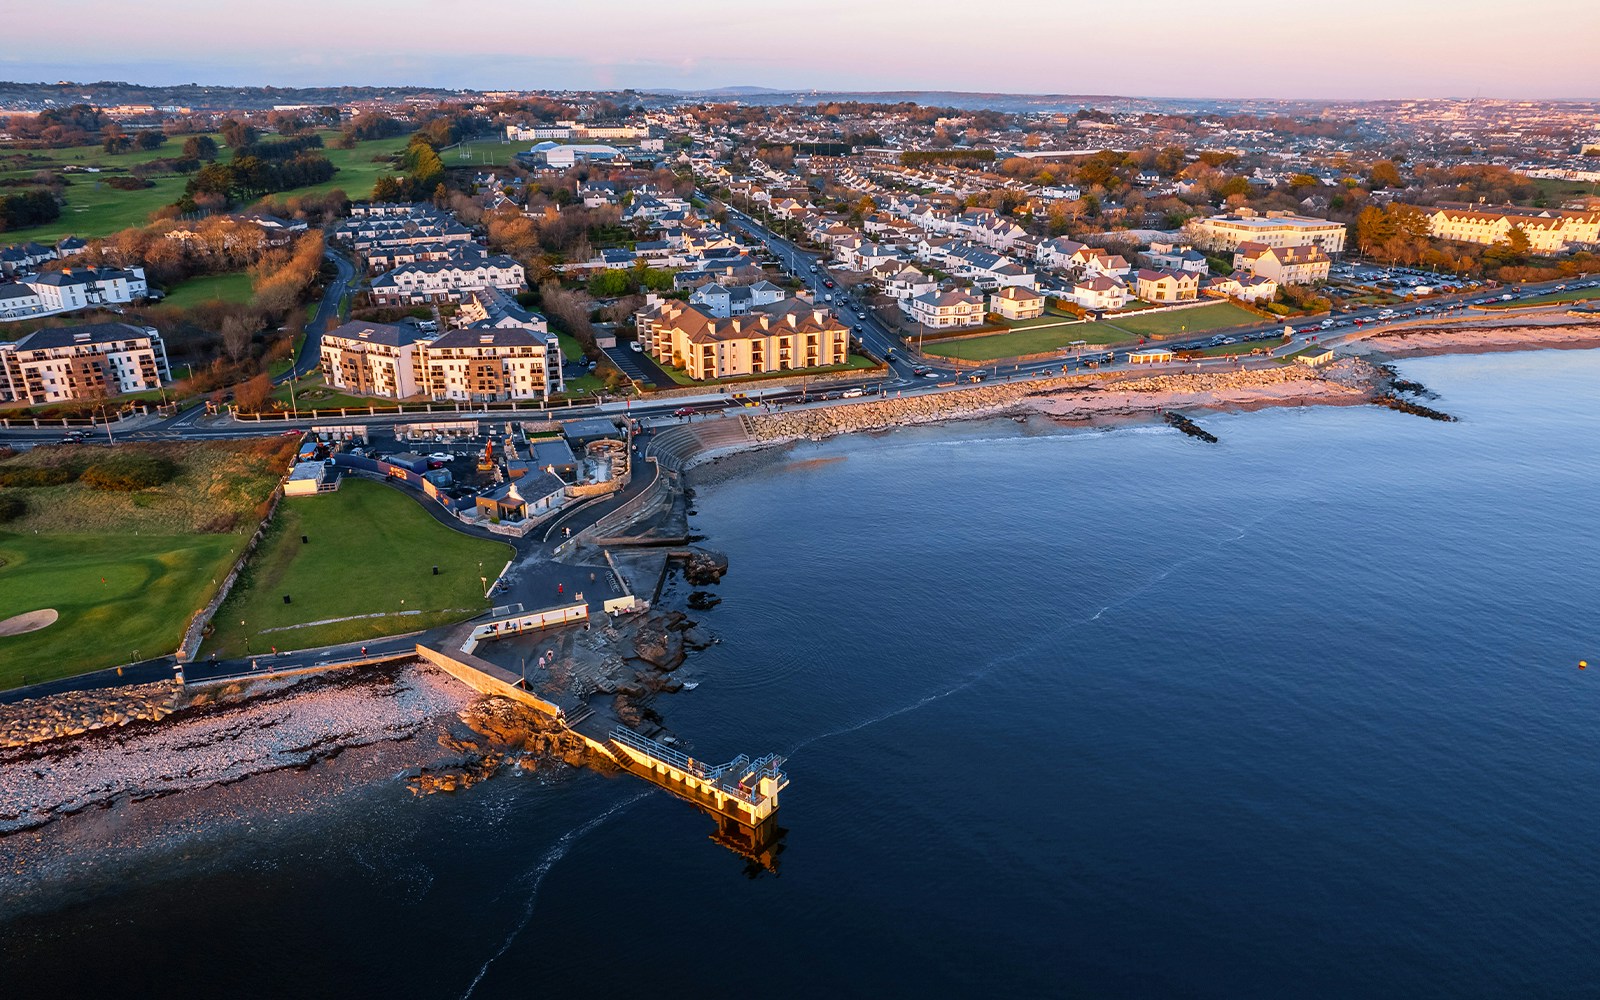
[(94, 208), (1573, 295), (160, 551), (1556, 190), (310, 392), (153, 585), (1243, 347), (571, 350), (1217, 316), (233, 287), (1012, 345), (372, 551), (1048, 319), (584, 385), (93, 155)]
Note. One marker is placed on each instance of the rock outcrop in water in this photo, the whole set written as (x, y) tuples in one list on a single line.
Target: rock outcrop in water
[(495, 733)]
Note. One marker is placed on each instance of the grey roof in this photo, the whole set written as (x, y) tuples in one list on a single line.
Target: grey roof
[(88, 333), (491, 337), (551, 451), (388, 334), (592, 427), (12, 290)]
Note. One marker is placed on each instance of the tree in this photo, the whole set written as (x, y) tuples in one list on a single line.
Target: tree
[(1384, 174), (237, 333), (236, 133), (254, 395), (200, 147)]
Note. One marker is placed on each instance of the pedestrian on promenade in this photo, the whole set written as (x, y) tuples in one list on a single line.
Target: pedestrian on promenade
[(363, 651), (561, 588)]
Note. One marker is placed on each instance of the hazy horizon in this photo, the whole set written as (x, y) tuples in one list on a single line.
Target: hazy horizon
[(1371, 49)]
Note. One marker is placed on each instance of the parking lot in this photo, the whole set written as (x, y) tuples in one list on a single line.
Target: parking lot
[(638, 366)]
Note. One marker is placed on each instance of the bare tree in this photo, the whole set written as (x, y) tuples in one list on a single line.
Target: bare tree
[(236, 336)]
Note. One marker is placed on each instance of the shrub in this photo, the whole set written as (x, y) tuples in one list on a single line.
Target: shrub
[(127, 473), (12, 507), (31, 477)]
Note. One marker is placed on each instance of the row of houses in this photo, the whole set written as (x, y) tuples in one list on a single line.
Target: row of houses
[(446, 279), (26, 258), (81, 363), (70, 290), (1548, 230)]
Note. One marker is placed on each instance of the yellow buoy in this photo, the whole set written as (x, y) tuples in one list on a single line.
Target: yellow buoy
[(1583, 664)]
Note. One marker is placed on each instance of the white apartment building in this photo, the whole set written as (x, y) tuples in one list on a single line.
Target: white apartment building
[(1275, 229), (445, 280), (87, 362), (489, 365)]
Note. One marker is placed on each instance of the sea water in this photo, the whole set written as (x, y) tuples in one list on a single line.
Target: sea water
[(1068, 713)]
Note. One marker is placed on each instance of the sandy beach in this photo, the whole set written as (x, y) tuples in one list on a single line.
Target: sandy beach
[(1419, 341)]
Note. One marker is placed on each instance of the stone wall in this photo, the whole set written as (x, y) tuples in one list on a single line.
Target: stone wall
[(999, 398), (74, 713)]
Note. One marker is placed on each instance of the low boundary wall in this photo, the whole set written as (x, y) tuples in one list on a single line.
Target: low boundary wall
[(486, 678), (533, 621)]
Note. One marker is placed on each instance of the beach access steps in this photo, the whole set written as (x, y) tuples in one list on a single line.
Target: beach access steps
[(677, 448)]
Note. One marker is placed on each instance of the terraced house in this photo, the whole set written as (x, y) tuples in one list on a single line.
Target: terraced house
[(1294, 265), (445, 280), (1548, 230), (782, 336), (75, 363)]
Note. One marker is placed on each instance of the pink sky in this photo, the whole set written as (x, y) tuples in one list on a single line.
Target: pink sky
[(1359, 48)]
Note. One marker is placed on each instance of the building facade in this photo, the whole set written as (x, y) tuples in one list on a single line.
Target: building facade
[(1015, 303), (373, 359), (1275, 229), (782, 337), (946, 310), (1548, 230), (76, 363), (482, 366), (1290, 265)]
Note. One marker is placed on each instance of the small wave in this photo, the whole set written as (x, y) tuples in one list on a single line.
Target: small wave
[(557, 851)]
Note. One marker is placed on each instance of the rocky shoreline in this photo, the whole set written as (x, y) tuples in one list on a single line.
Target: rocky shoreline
[(269, 727), (1084, 397)]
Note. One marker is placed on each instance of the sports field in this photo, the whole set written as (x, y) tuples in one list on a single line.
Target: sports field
[(121, 597), (1200, 319)]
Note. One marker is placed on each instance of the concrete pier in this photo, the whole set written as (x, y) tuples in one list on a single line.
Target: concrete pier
[(741, 794)]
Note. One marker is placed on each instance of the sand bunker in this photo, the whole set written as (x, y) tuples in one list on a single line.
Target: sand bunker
[(31, 621)]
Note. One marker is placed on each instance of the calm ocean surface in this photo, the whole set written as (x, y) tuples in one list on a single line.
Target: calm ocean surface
[(1069, 714)]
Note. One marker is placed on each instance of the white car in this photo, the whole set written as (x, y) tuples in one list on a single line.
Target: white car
[(441, 456)]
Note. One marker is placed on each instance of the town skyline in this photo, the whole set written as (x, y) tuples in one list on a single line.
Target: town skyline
[(841, 47)]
